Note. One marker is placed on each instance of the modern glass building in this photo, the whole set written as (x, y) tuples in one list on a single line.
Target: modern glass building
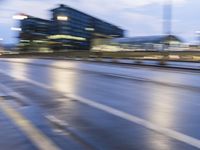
[(67, 29), (34, 32)]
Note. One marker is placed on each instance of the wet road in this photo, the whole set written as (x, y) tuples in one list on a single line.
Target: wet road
[(82, 105)]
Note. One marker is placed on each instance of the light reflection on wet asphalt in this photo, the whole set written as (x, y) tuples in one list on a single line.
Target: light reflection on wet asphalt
[(172, 107)]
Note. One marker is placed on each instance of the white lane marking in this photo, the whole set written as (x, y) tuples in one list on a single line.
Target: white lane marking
[(11, 92), (36, 136), (132, 118)]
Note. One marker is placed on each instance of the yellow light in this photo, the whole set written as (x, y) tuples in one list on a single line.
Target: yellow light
[(153, 57), (67, 37), (20, 17), (62, 18), (89, 29), (196, 58), (174, 57)]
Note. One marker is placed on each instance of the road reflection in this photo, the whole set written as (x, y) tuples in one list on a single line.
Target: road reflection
[(162, 113), (64, 80), (19, 71)]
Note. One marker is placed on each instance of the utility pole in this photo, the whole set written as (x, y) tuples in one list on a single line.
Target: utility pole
[(198, 37), (167, 17)]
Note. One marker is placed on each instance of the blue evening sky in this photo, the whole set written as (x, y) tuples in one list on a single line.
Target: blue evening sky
[(137, 17)]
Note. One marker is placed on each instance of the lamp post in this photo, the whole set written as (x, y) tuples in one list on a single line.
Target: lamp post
[(1, 47), (198, 37), (167, 17)]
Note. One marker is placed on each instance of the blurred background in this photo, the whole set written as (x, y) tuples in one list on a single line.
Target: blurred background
[(85, 25), (99, 74)]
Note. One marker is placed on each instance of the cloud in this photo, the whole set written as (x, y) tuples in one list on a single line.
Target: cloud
[(90, 6), (139, 17)]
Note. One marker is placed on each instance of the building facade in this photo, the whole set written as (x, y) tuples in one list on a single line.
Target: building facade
[(151, 43), (34, 32), (67, 29)]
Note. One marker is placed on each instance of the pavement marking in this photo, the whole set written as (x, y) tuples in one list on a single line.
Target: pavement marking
[(135, 78), (40, 140), (64, 128), (132, 118), (11, 92)]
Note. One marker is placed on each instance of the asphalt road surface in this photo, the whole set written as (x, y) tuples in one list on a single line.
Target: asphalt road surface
[(76, 105)]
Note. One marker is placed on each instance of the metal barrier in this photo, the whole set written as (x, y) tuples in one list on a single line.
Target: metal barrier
[(186, 56)]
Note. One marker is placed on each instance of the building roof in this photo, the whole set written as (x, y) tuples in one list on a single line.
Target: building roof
[(29, 17), (157, 39), (61, 6)]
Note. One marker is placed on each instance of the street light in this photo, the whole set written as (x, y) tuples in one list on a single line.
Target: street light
[(1, 39)]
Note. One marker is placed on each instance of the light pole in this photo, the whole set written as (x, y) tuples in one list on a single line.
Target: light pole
[(167, 17), (1, 39), (1, 47), (198, 37)]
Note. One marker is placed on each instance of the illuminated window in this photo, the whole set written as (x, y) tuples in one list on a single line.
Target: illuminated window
[(20, 17), (67, 37), (89, 29), (62, 18), (16, 29)]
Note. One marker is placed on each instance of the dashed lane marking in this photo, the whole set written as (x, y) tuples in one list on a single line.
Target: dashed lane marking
[(40, 140), (132, 118)]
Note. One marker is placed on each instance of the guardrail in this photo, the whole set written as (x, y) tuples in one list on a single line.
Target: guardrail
[(185, 56)]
